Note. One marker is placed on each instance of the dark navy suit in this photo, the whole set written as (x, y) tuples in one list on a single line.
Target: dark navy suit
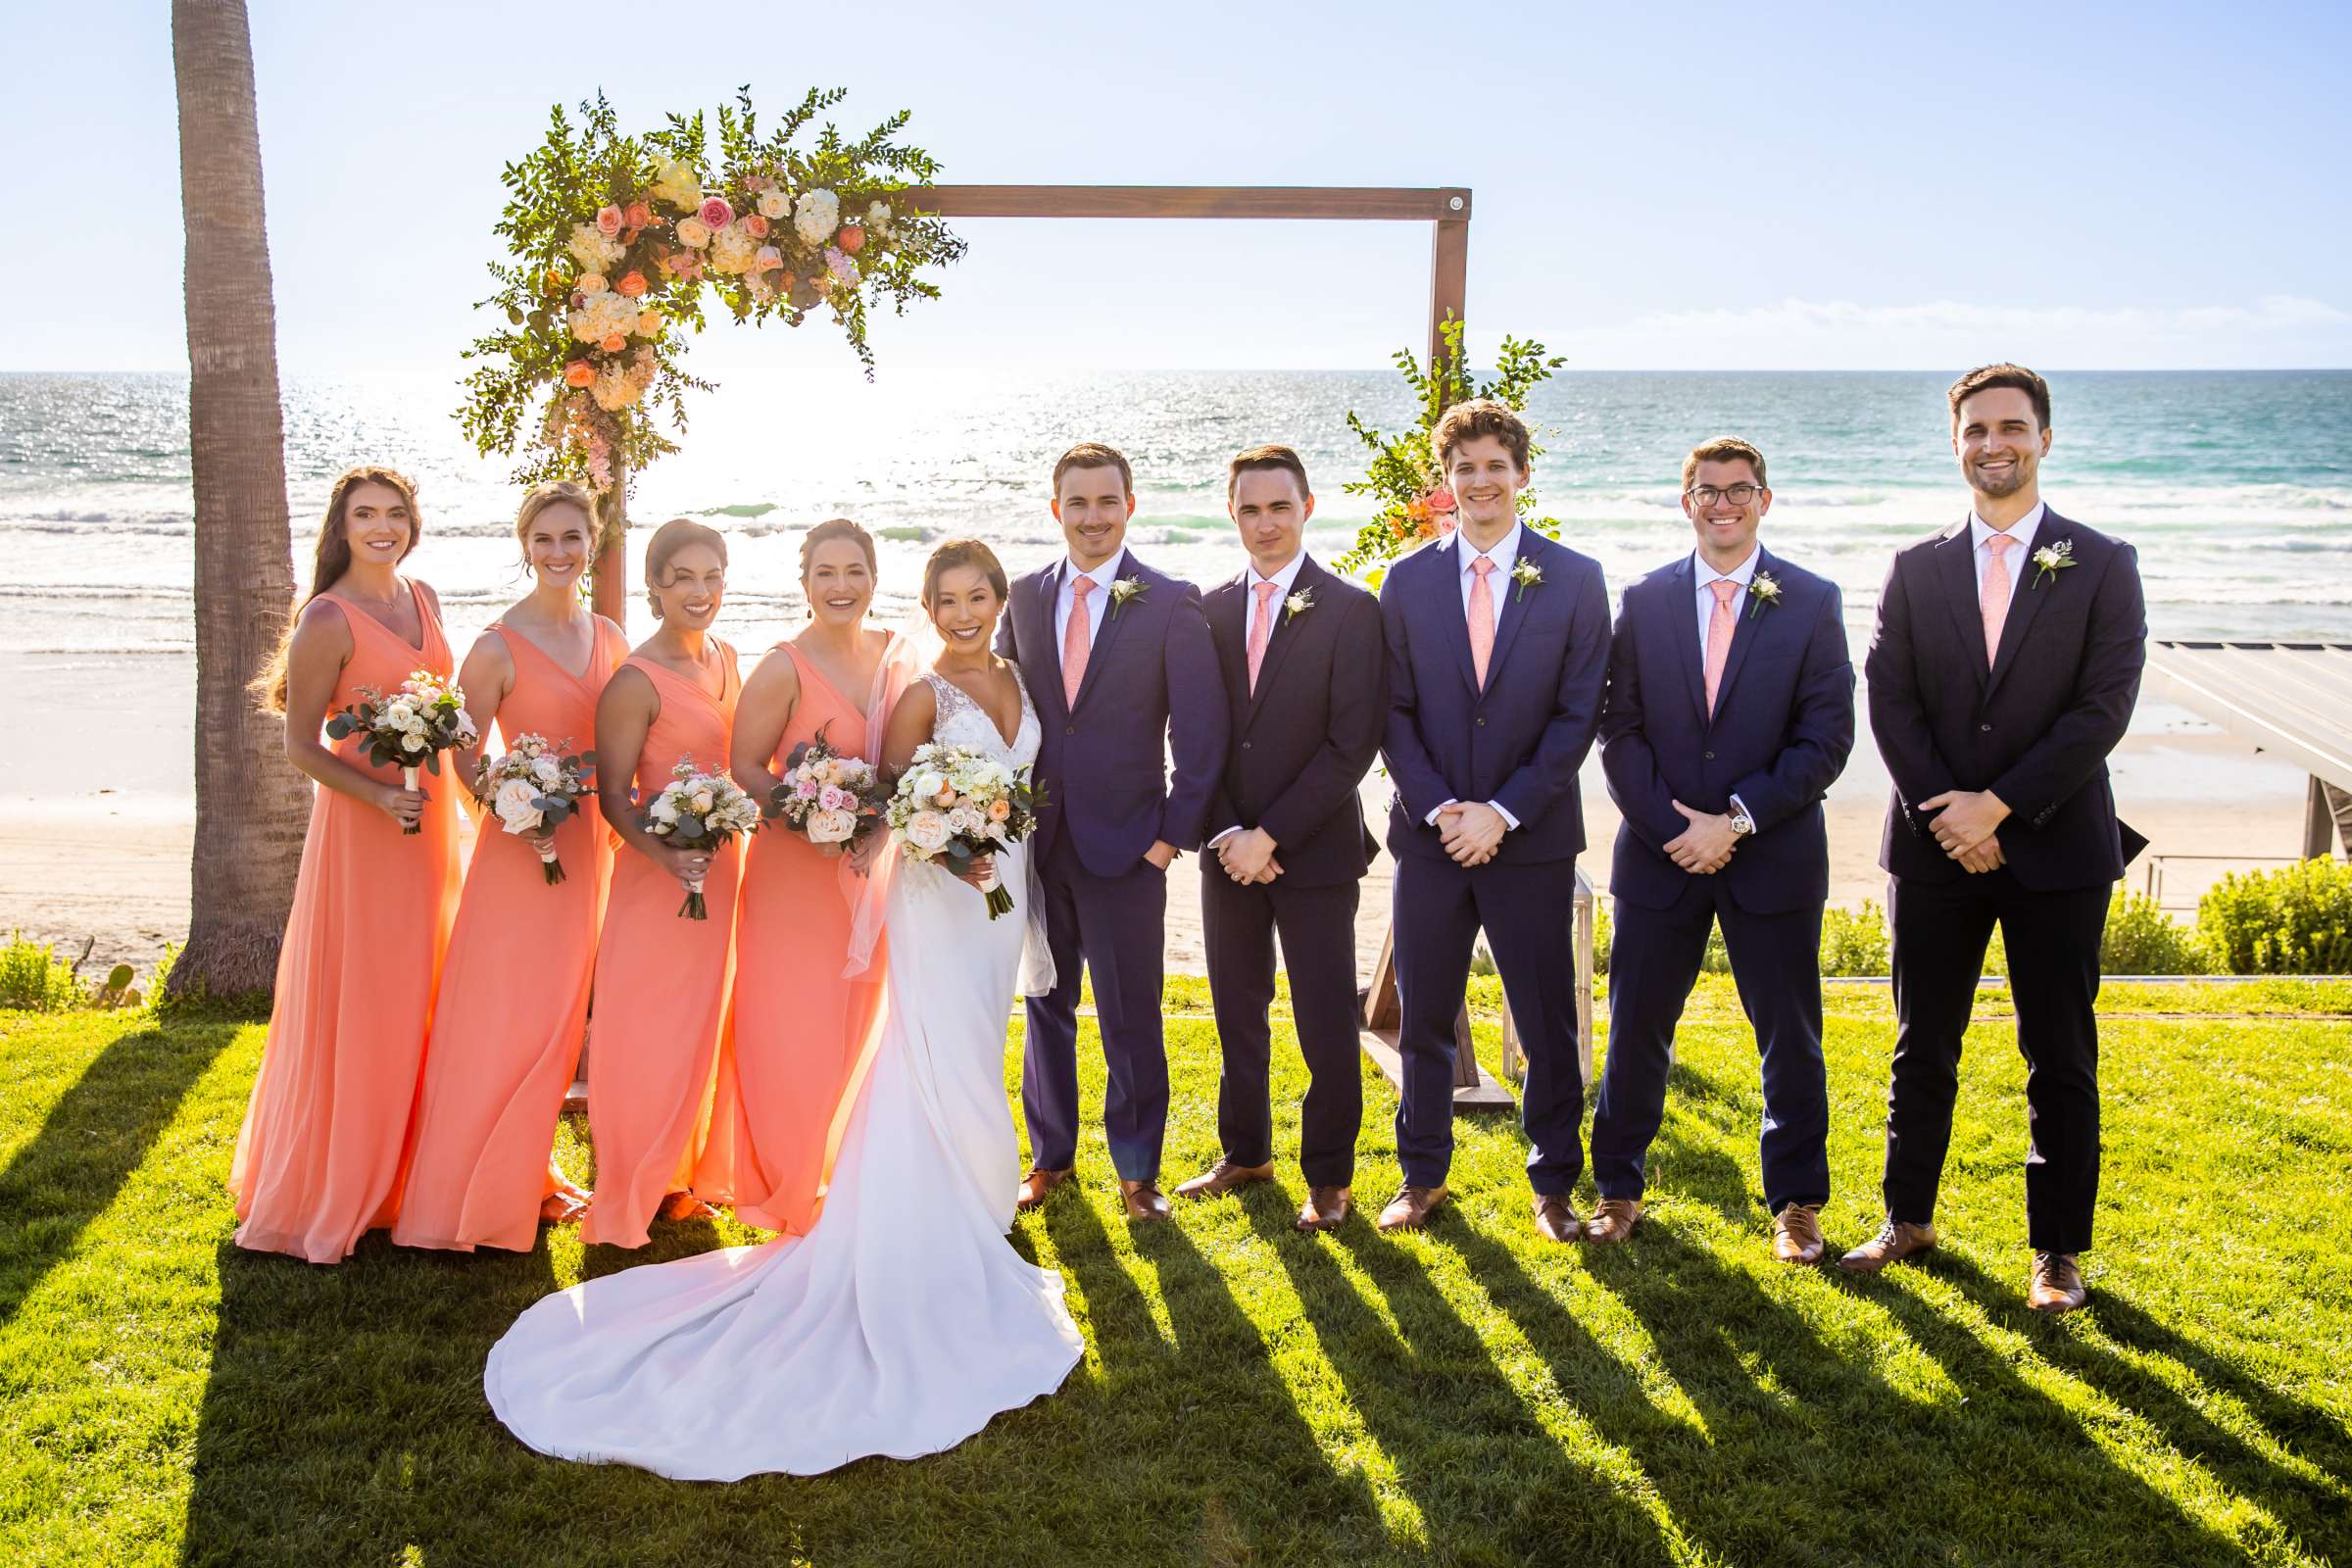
[(2035, 728), (1781, 731), (1150, 684), (1518, 743), (1302, 744)]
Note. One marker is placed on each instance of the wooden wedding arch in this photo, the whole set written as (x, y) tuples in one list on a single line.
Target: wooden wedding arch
[(1445, 208)]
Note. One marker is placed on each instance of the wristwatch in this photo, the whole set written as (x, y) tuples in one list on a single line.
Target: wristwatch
[(1742, 825)]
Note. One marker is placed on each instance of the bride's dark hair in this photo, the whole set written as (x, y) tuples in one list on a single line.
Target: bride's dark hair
[(964, 553)]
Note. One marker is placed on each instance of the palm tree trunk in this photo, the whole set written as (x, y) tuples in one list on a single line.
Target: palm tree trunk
[(252, 807)]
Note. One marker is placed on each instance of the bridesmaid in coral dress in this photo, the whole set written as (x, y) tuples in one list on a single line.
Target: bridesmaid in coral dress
[(318, 1157), (514, 1005), (664, 983), (802, 1026)]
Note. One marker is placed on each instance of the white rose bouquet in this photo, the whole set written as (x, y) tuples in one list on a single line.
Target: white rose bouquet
[(535, 788), (409, 729), (952, 803), (702, 810), (833, 800)]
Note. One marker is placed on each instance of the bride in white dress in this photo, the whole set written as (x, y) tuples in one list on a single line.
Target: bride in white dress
[(904, 1320)]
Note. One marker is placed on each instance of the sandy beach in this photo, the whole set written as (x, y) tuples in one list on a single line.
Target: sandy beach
[(99, 817)]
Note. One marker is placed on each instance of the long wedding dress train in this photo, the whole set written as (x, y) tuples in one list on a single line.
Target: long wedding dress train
[(902, 1321)]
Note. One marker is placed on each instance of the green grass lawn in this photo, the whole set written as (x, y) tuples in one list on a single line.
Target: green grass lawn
[(1251, 1396)]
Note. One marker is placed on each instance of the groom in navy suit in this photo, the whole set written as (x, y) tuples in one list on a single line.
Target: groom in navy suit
[(1499, 642), (1118, 661), (1730, 710)]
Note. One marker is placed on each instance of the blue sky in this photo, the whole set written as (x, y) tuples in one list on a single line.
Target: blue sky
[(1678, 186)]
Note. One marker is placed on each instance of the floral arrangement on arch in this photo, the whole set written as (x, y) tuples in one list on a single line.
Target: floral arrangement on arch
[(613, 239), (1412, 503)]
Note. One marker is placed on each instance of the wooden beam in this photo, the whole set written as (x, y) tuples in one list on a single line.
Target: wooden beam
[(2319, 823), (1449, 279), (1374, 203)]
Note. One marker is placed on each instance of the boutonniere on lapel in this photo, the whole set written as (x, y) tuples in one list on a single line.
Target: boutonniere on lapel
[(1298, 603), (1122, 590), (2053, 559), (1763, 592), (1527, 574)]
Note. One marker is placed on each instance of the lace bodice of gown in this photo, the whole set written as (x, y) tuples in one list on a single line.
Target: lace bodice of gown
[(963, 722)]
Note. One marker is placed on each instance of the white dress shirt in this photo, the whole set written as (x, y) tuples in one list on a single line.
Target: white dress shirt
[(1282, 579), (1097, 603), (1743, 575), (2022, 530), (1506, 555)]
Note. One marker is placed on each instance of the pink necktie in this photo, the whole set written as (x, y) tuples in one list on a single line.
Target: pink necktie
[(1481, 618), (1075, 643), (1992, 595), (1261, 627), (1721, 624)]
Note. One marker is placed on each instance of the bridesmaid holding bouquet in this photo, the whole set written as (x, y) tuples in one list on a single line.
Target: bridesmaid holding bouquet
[(802, 1026), (514, 1005), (664, 983), (318, 1157)]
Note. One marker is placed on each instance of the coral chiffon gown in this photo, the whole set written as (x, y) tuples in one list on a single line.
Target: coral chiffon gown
[(318, 1157), (803, 1032), (514, 1003), (664, 987)]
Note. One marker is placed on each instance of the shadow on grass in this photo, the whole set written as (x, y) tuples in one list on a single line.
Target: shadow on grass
[(1491, 1484), (97, 1134)]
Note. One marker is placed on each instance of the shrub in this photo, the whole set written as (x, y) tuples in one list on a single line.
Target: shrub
[(2141, 939), (33, 978), (1854, 942), (1601, 938), (2294, 920)]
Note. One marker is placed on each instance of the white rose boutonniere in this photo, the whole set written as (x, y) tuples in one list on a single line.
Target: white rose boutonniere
[(2053, 559), (1527, 574), (1298, 603), (1122, 590), (1763, 592)]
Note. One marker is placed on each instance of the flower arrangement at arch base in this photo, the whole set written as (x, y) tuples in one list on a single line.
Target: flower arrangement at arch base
[(1412, 503), (613, 239)]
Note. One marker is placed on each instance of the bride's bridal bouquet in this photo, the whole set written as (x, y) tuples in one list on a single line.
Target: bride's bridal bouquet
[(409, 729), (700, 810), (952, 803), (535, 788), (833, 800)]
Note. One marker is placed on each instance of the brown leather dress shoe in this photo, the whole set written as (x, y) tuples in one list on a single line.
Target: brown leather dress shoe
[(2057, 1284), (1036, 1184), (1556, 1218), (1411, 1208), (1326, 1208), (1614, 1219), (1144, 1201), (1796, 1234), (1224, 1177), (1897, 1239)]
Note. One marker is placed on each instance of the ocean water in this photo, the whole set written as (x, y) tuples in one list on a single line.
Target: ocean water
[(2235, 486)]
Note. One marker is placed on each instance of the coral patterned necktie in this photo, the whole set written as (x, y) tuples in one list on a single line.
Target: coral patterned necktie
[(1721, 624), (1075, 643), (1261, 627), (1992, 595), (1481, 618)]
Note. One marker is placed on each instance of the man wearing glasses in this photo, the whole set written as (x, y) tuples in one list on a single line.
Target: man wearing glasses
[(1729, 711)]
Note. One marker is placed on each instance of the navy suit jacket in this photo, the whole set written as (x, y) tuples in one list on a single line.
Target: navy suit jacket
[(1782, 730), (1152, 686), (1305, 738), (1519, 742), (2035, 728)]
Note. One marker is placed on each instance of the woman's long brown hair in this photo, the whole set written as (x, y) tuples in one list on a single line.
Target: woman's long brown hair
[(332, 561)]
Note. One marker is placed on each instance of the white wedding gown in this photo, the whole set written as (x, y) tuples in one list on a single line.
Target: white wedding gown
[(902, 1321)]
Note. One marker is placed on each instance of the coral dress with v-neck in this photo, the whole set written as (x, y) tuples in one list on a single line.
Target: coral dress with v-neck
[(514, 1005), (318, 1157), (664, 986)]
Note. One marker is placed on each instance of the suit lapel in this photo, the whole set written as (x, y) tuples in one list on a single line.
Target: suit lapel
[(2024, 603), (1280, 635), (1042, 595), (1748, 618), (1515, 606), (1677, 626), (1229, 629), (1112, 616), (1956, 566)]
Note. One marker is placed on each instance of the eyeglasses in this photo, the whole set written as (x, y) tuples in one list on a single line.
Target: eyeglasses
[(1738, 495)]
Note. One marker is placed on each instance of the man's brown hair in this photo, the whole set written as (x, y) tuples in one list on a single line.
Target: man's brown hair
[(1265, 459), (1985, 378), (1722, 449), (1093, 455), (1479, 417)]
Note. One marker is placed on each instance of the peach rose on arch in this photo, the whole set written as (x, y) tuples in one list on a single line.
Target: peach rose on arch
[(850, 239), (613, 342), (608, 221), (632, 284), (579, 374)]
